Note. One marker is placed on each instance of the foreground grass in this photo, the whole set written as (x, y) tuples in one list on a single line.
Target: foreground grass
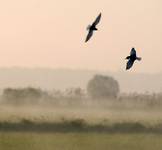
[(79, 141), (105, 128)]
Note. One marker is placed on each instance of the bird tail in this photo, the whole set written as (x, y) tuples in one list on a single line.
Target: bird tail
[(88, 27), (139, 58)]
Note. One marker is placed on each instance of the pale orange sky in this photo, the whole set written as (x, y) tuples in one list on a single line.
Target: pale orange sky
[(51, 33)]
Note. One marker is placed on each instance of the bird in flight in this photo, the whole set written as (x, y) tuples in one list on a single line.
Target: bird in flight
[(92, 27), (132, 58)]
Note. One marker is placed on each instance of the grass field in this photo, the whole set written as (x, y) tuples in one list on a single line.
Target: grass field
[(94, 127), (79, 141)]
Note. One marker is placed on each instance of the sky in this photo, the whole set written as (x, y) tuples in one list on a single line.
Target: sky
[(51, 33)]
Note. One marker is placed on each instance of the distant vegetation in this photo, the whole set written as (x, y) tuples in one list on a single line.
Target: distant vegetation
[(23, 95), (100, 88)]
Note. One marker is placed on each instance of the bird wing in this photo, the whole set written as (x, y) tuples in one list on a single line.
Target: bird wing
[(129, 64), (133, 52), (97, 20), (90, 33)]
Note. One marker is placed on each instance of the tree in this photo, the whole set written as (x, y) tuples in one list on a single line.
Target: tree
[(22, 95), (74, 93), (101, 86)]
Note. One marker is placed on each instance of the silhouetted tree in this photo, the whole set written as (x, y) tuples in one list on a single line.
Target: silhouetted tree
[(102, 87), (74, 93), (22, 95)]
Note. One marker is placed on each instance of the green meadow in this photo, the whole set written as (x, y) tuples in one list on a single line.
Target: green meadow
[(113, 127)]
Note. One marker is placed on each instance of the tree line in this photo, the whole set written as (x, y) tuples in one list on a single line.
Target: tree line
[(100, 87)]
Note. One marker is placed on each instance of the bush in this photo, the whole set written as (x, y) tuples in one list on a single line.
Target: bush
[(22, 95)]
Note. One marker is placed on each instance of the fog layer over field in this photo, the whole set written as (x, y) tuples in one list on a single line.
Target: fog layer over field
[(100, 106), (65, 78)]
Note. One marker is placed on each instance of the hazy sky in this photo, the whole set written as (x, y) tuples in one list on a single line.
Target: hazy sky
[(51, 33)]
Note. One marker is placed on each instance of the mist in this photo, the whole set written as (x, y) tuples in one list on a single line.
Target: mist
[(61, 79)]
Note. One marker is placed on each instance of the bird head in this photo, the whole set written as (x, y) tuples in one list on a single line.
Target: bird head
[(127, 57)]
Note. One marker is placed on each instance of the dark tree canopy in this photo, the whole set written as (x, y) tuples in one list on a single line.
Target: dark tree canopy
[(101, 86)]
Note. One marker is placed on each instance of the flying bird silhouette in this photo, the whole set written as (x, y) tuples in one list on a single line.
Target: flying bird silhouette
[(132, 58), (92, 27)]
